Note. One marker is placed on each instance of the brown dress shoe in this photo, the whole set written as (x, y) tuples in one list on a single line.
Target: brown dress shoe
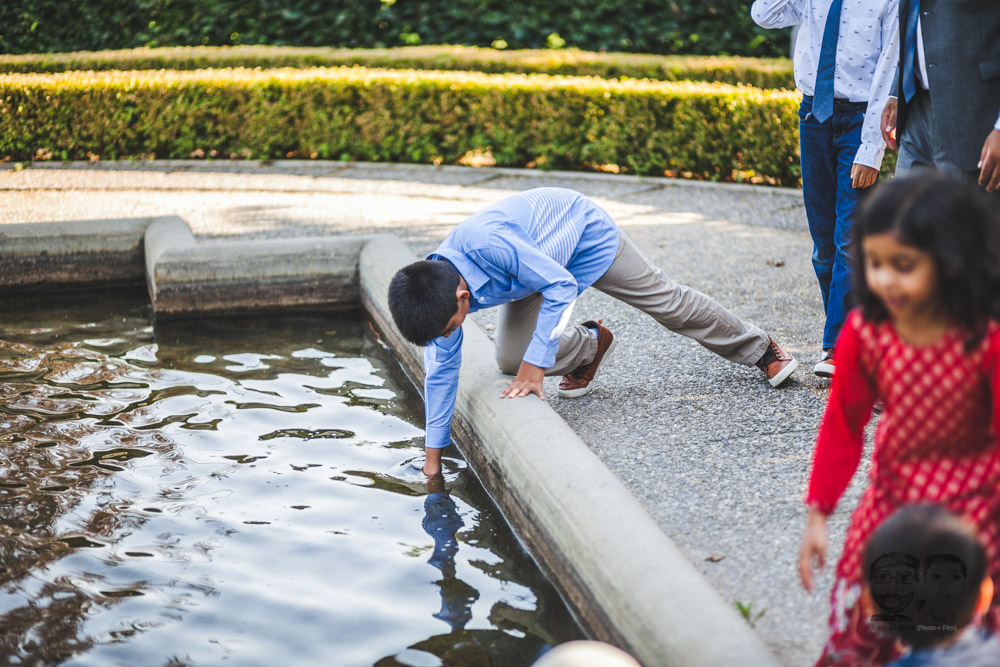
[(577, 382), (825, 367), (776, 363)]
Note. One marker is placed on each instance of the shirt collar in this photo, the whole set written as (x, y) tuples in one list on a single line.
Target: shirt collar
[(473, 275)]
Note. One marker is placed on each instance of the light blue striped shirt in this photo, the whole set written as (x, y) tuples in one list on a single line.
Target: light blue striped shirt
[(548, 240)]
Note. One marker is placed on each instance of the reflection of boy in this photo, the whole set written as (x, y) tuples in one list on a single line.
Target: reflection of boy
[(442, 522), (943, 541)]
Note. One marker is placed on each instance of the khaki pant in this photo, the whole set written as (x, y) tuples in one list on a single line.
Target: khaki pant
[(634, 281)]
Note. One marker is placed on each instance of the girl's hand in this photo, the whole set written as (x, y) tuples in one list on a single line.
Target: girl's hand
[(813, 546)]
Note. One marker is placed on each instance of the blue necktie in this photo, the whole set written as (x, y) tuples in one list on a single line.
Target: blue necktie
[(908, 80), (823, 96)]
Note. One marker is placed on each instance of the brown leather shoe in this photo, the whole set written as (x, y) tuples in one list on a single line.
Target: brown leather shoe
[(776, 363), (825, 367), (577, 382)]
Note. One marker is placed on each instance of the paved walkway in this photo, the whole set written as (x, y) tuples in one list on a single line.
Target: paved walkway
[(717, 457)]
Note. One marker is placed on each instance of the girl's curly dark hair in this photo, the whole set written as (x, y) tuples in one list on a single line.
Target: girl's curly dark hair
[(957, 224)]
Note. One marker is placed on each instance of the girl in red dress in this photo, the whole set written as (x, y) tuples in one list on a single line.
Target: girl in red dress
[(925, 342)]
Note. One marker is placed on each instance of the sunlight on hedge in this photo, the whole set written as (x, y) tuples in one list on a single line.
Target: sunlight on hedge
[(698, 130), (760, 72)]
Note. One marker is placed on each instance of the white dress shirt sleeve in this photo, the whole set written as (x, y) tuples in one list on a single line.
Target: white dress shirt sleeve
[(872, 148), (777, 13)]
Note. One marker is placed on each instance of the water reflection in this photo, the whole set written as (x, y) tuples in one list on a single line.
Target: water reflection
[(441, 522), (237, 490)]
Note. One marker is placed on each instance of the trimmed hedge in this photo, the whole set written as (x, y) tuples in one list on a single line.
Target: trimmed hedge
[(695, 130), (702, 27), (760, 72)]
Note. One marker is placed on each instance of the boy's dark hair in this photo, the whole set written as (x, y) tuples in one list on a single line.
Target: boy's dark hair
[(422, 299), (928, 532), (956, 224)]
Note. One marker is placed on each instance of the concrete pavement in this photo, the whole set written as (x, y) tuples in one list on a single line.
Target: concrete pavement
[(717, 457)]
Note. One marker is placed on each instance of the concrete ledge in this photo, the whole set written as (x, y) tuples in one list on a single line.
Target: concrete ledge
[(78, 253), (624, 579), (186, 278)]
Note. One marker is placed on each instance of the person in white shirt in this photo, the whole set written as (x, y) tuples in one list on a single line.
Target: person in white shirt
[(844, 65), (947, 115)]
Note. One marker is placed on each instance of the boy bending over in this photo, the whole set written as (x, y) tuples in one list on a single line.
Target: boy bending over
[(534, 253)]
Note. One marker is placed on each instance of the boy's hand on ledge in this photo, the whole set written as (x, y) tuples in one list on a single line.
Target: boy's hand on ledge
[(528, 381)]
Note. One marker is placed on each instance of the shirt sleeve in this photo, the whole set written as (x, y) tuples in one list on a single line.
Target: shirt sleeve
[(872, 147), (512, 251), (442, 361), (842, 432), (776, 13)]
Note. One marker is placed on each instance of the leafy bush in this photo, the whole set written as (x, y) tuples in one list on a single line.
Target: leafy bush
[(703, 27), (760, 72), (696, 130)]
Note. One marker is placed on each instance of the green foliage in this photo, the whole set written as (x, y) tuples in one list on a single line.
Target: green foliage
[(705, 27), (746, 611), (704, 131), (760, 72)]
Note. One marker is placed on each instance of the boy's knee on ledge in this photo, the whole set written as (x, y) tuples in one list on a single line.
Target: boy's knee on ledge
[(507, 363)]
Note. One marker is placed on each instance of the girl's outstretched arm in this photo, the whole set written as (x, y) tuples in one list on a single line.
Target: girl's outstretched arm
[(813, 546), (839, 444), (841, 437)]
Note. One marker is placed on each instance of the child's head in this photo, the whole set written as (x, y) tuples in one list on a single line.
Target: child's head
[(426, 300), (954, 585), (928, 216)]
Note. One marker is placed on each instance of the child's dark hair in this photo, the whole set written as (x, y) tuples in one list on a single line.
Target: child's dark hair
[(957, 225), (931, 534), (422, 299)]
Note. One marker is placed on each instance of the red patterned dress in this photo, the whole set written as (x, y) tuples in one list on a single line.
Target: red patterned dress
[(936, 442)]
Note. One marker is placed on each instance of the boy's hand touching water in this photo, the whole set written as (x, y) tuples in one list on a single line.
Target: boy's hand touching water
[(432, 463), (813, 546)]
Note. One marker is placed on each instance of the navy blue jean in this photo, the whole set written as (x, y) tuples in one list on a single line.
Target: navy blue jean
[(828, 151)]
